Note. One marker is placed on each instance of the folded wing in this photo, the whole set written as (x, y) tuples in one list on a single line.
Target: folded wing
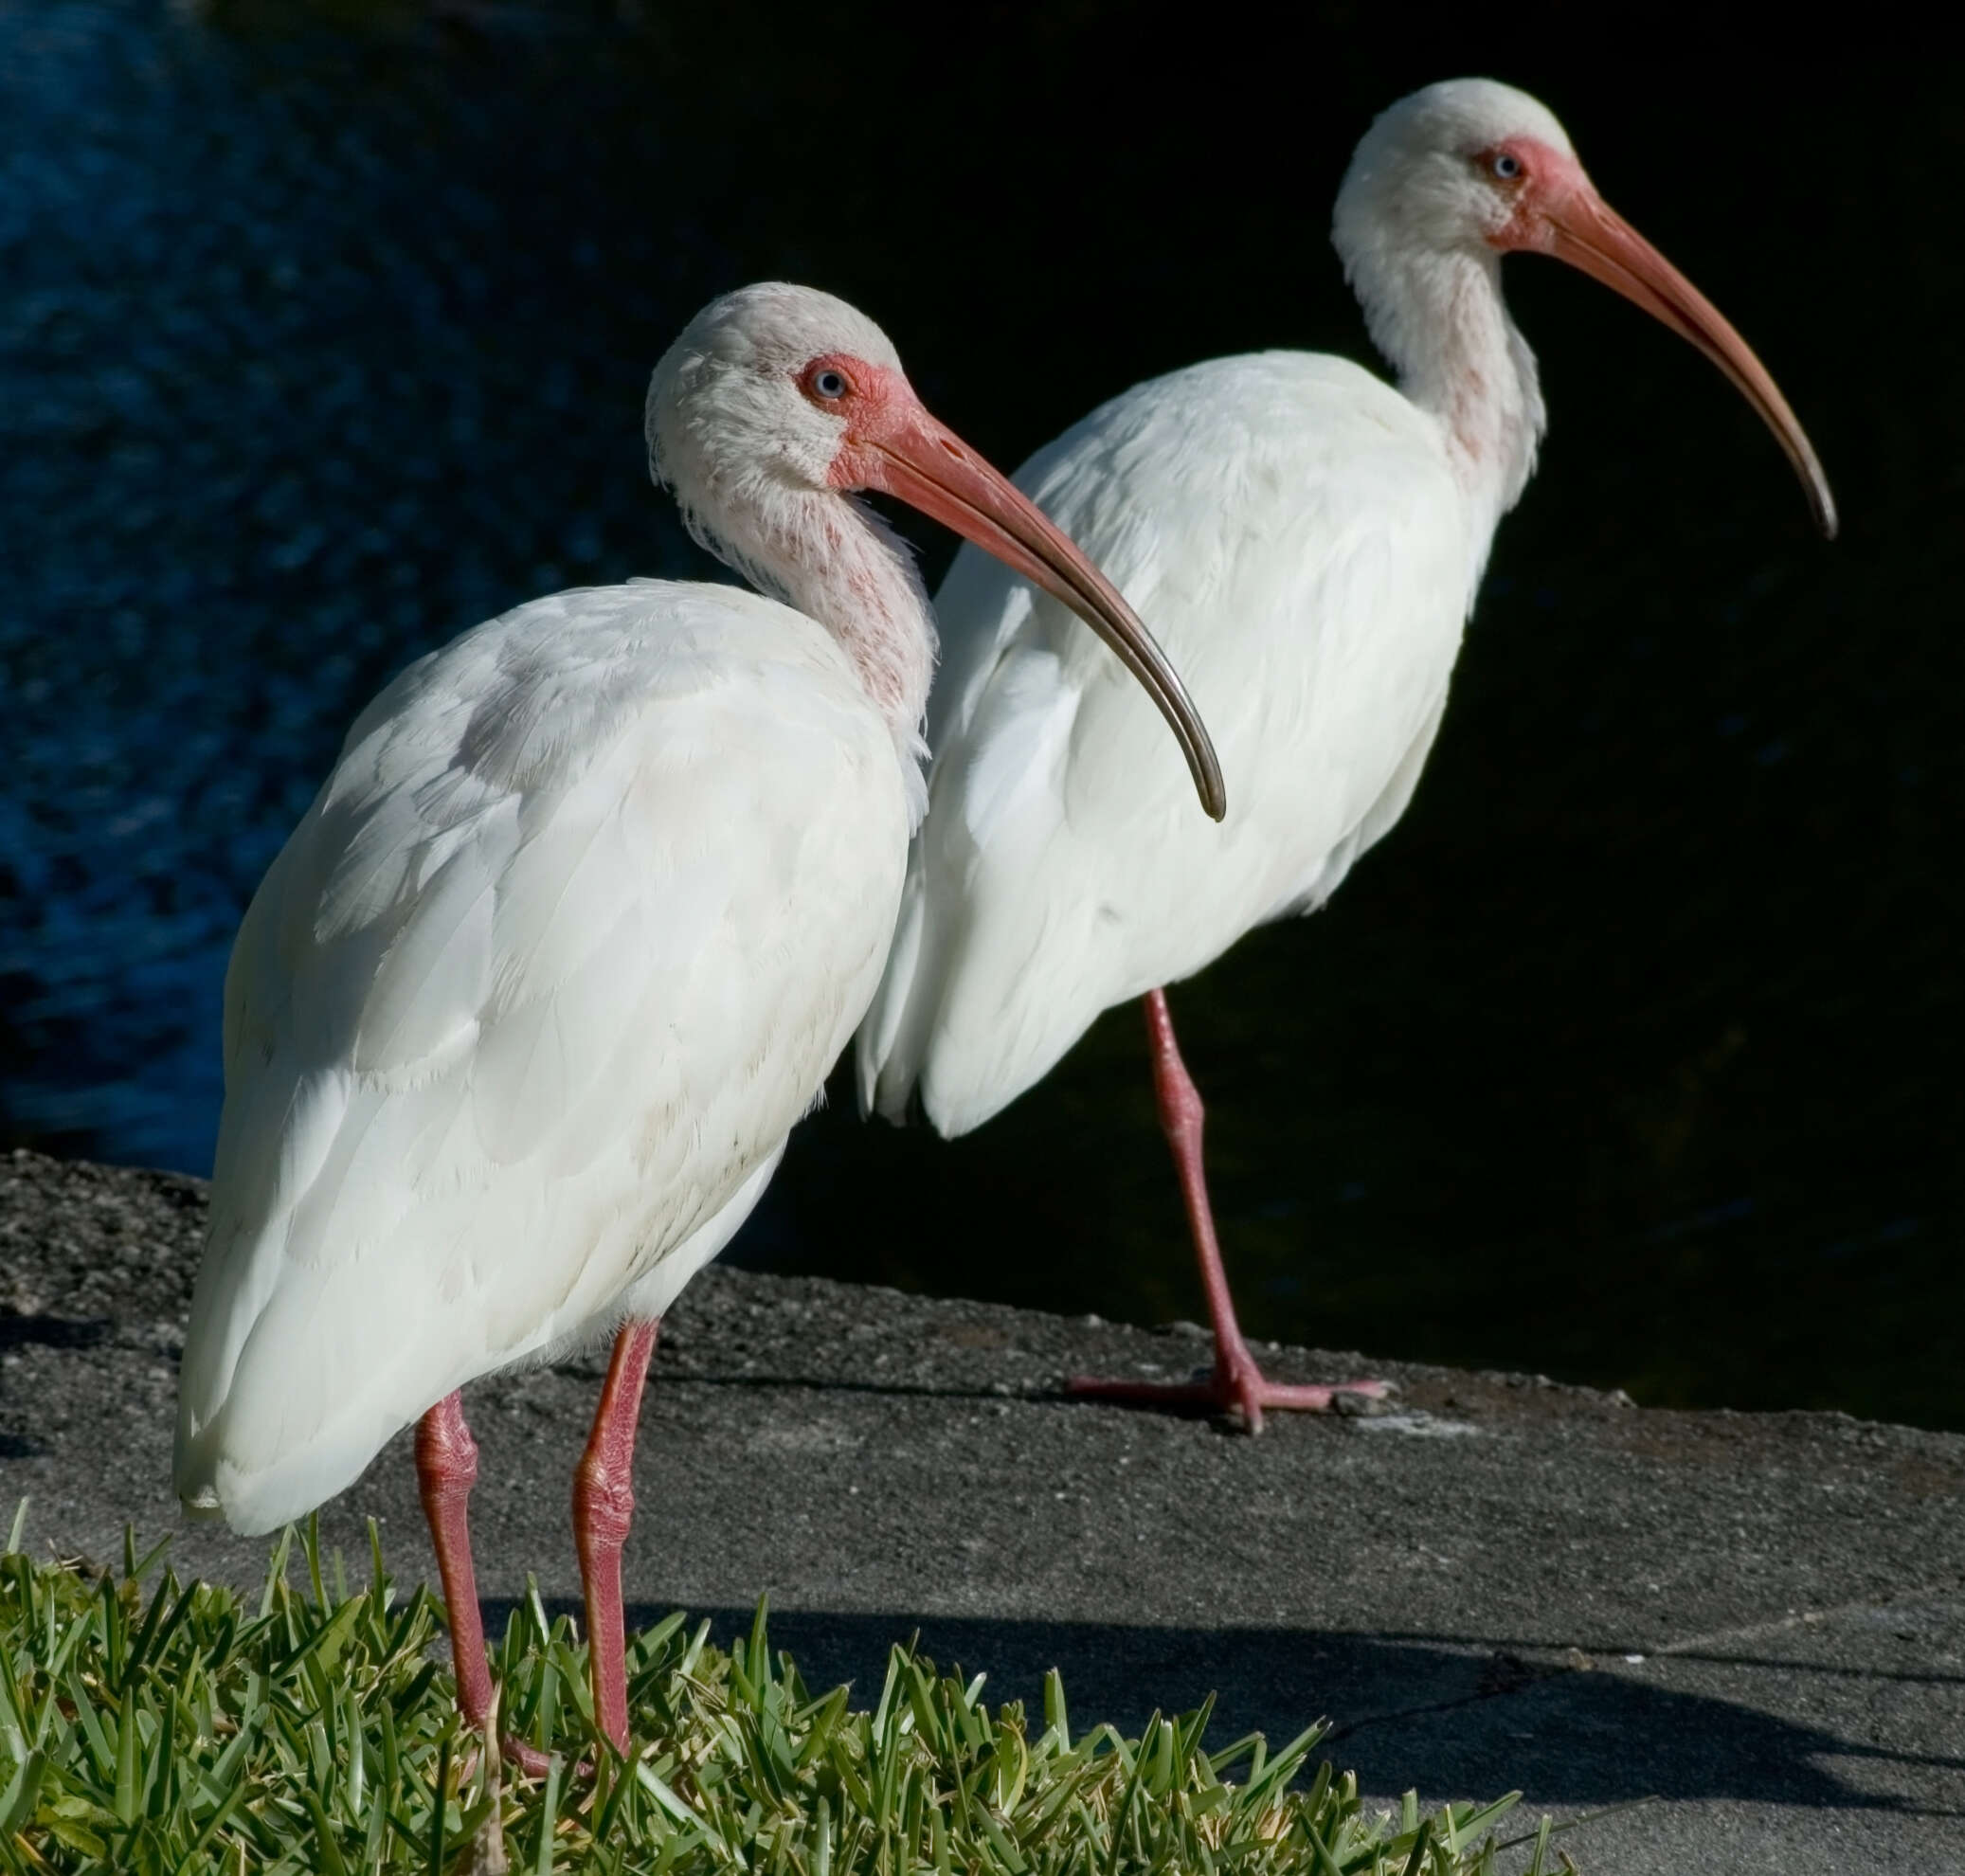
[(564, 948), (1288, 528)]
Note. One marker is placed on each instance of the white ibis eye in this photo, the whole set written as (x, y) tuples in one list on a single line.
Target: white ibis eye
[(829, 383), (1504, 166)]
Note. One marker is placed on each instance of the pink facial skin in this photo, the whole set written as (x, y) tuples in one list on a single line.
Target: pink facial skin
[(893, 445), (1557, 211)]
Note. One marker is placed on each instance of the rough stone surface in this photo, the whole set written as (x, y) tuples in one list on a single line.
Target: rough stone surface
[(1759, 1620)]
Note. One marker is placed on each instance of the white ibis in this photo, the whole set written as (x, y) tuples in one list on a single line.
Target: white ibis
[(1308, 542), (519, 1019)]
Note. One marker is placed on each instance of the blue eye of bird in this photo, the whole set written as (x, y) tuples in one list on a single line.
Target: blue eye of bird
[(830, 384), (1505, 166)]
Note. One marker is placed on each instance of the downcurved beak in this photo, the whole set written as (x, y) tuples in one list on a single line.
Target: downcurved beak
[(922, 463), (1589, 234)]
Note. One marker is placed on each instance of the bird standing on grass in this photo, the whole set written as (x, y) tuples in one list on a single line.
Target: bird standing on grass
[(519, 1019), (1308, 542)]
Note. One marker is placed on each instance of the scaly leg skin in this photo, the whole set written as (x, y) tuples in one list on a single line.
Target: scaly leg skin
[(446, 1467), (604, 1506), (1236, 1386)]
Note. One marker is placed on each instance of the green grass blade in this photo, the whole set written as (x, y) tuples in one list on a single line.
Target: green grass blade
[(548, 1815), (23, 1792), (329, 1861), (1056, 1718), (176, 1733), (438, 1804), (126, 1763)]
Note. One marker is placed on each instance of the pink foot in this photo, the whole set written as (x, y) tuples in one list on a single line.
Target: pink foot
[(1236, 1388), (528, 1759), (514, 1755)]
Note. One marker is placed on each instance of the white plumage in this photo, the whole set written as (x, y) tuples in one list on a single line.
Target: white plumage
[(1308, 541), (532, 996), (1271, 515), (519, 1021)]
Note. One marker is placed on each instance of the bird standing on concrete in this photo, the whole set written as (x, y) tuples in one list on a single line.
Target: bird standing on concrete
[(1308, 542), (519, 1019)]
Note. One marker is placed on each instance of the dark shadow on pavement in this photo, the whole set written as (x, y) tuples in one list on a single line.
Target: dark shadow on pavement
[(1454, 1718), (52, 1331)]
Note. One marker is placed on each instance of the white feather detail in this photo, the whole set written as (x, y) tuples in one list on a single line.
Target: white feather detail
[(519, 1019), (1292, 530)]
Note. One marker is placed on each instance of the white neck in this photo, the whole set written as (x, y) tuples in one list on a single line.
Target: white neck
[(866, 590), (1439, 318), (832, 558)]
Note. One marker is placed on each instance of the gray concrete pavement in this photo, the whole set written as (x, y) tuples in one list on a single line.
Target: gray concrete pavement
[(1758, 1619)]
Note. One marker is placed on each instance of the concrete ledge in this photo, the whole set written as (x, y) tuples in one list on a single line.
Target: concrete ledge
[(1760, 1618)]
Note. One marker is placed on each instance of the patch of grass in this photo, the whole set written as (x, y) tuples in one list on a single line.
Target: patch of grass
[(182, 1727)]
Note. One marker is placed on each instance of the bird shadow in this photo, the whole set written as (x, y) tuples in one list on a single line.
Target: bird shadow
[(1452, 1716), (896, 1390), (1050, 1394), (52, 1331), (19, 1332)]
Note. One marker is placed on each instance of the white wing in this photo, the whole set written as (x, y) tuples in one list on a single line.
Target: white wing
[(565, 944), (1290, 529)]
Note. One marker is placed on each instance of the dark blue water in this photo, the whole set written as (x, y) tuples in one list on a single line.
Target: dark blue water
[(269, 306), (1631, 1056)]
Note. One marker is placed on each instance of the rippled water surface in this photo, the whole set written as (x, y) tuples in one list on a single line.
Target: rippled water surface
[(1631, 1056)]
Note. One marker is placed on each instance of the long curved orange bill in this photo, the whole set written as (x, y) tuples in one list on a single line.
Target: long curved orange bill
[(1589, 234), (924, 463)]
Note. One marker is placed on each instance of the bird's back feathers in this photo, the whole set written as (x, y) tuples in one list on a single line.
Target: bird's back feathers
[(1289, 528)]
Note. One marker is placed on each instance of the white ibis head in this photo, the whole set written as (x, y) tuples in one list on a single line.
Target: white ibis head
[(1470, 165), (778, 402)]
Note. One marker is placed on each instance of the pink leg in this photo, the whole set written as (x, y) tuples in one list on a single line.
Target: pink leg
[(1236, 1385), (603, 1505), (446, 1467)]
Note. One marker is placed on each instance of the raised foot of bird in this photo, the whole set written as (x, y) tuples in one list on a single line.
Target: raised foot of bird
[(1237, 1389)]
